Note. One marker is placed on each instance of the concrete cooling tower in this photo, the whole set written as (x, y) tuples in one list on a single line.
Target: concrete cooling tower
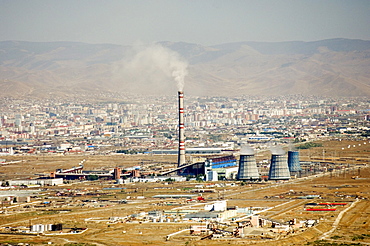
[(279, 166), (247, 165), (293, 161)]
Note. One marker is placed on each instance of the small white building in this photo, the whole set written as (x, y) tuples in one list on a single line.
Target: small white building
[(212, 176), (216, 206), (41, 182), (65, 146)]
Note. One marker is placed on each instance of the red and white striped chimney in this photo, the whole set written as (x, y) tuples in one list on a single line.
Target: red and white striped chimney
[(181, 155)]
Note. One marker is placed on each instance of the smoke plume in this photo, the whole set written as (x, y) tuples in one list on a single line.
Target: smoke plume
[(153, 69), (277, 150), (291, 147), (246, 150)]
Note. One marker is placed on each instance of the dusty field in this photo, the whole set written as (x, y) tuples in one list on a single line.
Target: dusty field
[(355, 222), (45, 164), (338, 186)]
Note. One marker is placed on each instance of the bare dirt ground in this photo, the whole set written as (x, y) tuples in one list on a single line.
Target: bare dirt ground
[(44, 164)]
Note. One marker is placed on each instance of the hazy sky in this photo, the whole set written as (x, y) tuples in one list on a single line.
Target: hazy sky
[(204, 22)]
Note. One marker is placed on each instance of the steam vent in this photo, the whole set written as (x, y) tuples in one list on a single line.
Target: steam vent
[(247, 165), (279, 167), (293, 161)]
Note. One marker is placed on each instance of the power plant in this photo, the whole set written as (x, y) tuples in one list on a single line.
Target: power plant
[(247, 169), (293, 161), (247, 165), (181, 153), (279, 165)]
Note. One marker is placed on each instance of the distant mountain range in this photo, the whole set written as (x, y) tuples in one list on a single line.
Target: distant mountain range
[(334, 67)]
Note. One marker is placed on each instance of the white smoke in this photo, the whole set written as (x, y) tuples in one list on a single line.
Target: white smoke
[(152, 68), (277, 150), (291, 146), (246, 150)]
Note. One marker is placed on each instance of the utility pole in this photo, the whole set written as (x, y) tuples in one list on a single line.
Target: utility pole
[(323, 155)]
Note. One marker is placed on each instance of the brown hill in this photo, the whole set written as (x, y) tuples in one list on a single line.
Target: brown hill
[(337, 67)]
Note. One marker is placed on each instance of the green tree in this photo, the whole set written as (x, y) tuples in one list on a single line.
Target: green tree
[(200, 178), (92, 177)]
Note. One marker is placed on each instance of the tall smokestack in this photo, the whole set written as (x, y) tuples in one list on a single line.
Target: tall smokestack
[(181, 155)]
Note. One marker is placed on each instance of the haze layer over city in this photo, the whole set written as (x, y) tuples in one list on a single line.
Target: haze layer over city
[(184, 122)]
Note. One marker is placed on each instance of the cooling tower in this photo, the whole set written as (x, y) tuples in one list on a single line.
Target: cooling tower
[(247, 168), (293, 161), (279, 167), (181, 154)]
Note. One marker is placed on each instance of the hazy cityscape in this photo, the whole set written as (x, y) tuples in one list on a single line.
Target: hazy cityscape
[(193, 123), (146, 123)]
